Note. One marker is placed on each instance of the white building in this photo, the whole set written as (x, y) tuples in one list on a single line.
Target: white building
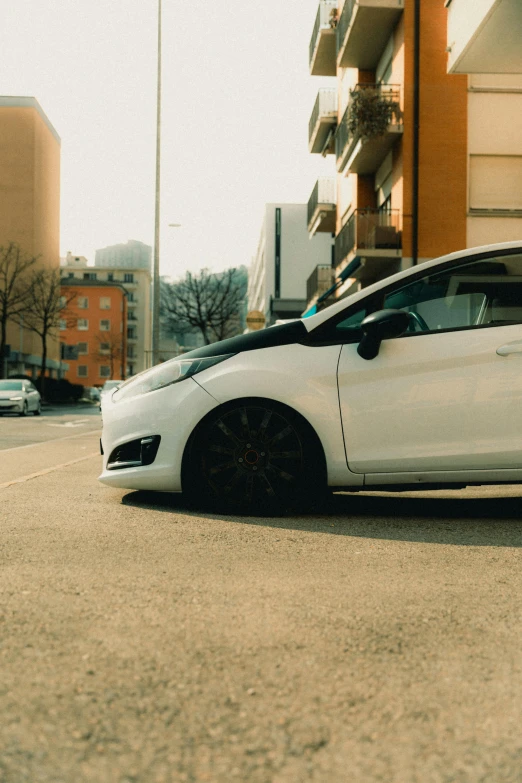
[(286, 257), (127, 255)]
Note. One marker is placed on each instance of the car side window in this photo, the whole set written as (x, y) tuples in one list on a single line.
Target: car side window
[(483, 293)]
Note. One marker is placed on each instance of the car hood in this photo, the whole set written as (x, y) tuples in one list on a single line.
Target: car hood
[(285, 334)]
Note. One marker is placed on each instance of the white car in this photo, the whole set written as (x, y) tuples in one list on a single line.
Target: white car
[(19, 396), (412, 382)]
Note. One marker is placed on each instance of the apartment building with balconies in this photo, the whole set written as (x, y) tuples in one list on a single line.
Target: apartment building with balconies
[(408, 145), (484, 41)]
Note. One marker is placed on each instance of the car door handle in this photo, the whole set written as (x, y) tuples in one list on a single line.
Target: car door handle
[(508, 348)]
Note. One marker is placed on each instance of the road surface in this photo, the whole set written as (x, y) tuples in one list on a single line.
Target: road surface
[(376, 639)]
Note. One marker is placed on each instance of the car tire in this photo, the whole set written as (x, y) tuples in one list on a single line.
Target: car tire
[(25, 409), (254, 457), (38, 410)]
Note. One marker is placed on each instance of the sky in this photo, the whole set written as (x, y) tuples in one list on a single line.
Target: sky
[(237, 97)]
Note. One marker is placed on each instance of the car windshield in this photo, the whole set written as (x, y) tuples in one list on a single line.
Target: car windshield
[(10, 385)]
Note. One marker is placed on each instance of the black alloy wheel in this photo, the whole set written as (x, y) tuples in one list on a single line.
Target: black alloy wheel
[(255, 457)]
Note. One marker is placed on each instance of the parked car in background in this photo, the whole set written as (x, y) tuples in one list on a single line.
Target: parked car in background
[(91, 393), (413, 382), (109, 386), (19, 396)]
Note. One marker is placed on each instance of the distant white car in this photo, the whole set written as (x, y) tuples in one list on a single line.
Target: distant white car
[(19, 396), (413, 382), (108, 386)]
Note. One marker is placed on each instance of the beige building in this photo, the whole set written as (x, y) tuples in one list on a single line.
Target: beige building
[(30, 208), (137, 283), (484, 40)]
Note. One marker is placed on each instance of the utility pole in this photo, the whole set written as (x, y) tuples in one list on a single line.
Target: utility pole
[(156, 269)]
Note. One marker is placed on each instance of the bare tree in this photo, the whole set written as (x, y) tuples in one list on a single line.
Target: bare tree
[(210, 303), (15, 288), (110, 348), (47, 307)]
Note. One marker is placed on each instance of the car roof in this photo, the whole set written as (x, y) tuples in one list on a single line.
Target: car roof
[(313, 321)]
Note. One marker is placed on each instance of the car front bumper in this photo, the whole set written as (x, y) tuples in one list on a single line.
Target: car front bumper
[(172, 413), (8, 406)]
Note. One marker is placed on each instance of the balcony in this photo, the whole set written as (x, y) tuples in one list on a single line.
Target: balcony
[(321, 128), (323, 44), (319, 282), (322, 206), (364, 29), (369, 128), (369, 246), (484, 39)]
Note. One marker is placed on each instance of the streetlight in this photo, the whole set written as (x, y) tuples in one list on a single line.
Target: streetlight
[(156, 266)]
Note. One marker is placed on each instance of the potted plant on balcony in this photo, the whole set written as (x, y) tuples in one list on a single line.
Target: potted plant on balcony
[(370, 112)]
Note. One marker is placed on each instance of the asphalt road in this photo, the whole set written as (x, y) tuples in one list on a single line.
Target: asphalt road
[(377, 639)]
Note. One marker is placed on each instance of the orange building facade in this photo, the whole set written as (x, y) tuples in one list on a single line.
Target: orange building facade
[(95, 322)]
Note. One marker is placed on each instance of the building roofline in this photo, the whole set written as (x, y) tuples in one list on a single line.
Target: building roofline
[(76, 282), (28, 102)]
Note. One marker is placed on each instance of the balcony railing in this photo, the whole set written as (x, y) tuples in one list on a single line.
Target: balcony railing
[(373, 117), (364, 28), (323, 48), (319, 282), (369, 229), (323, 121), (322, 205)]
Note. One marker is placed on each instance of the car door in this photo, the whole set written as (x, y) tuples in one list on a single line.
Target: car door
[(447, 395)]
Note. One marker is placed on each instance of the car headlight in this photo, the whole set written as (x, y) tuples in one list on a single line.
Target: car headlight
[(165, 374), (12, 399)]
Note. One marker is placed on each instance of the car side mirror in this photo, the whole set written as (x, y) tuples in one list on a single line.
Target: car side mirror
[(379, 326)]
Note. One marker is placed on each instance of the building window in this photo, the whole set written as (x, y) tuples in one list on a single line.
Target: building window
[(83, 302), (63, 325), (71, 274), (82, 348), (128, 277), (130, 369), (83, 324), (131, 334), (110, 277), (82, 371), (105, 303), (105, 371), (105, 325), (104, 347), (130, 296), (89, 275), (495, 182), (63, 301), (130, 352)]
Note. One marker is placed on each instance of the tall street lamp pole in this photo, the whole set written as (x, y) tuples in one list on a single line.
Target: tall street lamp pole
[(156, 270)]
